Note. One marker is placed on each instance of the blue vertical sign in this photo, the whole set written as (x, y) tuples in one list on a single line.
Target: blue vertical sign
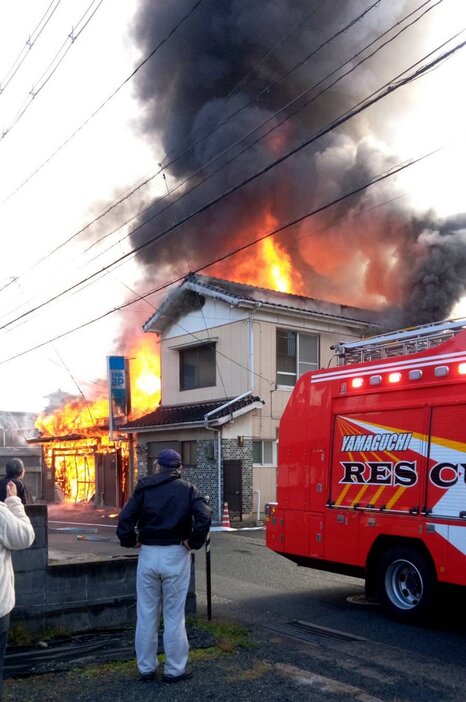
[(118, 391)]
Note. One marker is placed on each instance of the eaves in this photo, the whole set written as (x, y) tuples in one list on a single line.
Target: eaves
[(163, 427), (313, 313)]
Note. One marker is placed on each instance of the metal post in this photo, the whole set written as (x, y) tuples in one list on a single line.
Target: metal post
[(208, 572)]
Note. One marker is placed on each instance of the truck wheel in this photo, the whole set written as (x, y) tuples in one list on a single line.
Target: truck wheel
[(405, 583)]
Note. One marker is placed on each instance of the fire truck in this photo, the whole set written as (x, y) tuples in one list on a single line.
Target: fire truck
[(371, 478)]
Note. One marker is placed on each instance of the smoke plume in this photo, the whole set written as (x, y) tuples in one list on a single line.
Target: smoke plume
[(237, 57)]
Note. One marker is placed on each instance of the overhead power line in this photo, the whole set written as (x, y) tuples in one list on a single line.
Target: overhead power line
[(394, 85), (271, 51), (30, 43), (275, 82), (55, 63), (282, 227), (250, 144), (106, 101), (192, 144)]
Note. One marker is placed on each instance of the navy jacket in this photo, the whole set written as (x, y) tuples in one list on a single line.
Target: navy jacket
[(23, 492), (164, 510)]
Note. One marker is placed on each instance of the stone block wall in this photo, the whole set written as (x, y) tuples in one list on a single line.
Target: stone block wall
[(231, 451), (74, 596), (205, 474)]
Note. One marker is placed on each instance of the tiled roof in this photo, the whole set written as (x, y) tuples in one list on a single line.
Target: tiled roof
[(238, 294), (241, 291), (51, 439), (166, 415)]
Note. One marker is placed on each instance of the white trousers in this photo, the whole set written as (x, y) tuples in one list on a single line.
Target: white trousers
[(162, 583)]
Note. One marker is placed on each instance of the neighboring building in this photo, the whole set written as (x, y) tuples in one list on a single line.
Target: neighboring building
[(15, 428), (230, 356)]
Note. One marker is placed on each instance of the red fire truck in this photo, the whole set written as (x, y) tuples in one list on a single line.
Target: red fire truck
[(372, 467)]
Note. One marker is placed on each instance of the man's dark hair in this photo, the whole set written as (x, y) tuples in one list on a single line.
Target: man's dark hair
[(14, 468)]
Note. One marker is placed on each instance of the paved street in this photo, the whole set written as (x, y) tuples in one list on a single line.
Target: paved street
[(317, 615), (79, 531)]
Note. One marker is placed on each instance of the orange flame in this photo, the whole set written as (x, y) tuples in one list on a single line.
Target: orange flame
[(145, 378), (279, 266), (267, 265), (90, 418)]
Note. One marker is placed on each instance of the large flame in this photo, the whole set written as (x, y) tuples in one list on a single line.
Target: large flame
[(145, 377), (78, 430), (90, 417), (267, 265)]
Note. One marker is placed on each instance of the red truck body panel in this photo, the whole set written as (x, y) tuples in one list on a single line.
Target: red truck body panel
[(375, 451)]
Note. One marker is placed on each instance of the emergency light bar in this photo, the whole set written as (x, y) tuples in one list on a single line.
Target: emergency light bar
[(394, 377)]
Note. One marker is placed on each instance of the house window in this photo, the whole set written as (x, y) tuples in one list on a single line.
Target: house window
[(263, 452), (296, 354), (189, 453), (197, 367)]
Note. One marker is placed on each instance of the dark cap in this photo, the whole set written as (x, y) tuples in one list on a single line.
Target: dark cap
[(169, 459)]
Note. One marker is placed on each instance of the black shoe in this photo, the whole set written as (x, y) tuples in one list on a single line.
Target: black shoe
[(177, 678), (147, 677)]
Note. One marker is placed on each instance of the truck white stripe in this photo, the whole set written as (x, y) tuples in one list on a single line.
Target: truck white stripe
[(353, 371)]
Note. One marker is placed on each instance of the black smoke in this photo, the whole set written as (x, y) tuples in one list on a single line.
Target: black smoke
[(440, 278), (231, 57)]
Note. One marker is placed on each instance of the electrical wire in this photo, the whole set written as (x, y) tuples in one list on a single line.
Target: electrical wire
[(53, 65), (250, 144), (30, 43), (271, 85), (253, 70), (391, 87), (201, 339), (231, 146), (193, 144), (106, 101), (388, 174)]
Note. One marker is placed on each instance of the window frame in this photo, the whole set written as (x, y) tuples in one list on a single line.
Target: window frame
[(212, 372), (190, 447), (298, 361), (274, 447)]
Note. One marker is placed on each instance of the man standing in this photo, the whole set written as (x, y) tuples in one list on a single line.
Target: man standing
[(14, 470), (171, 519), (16, 532)]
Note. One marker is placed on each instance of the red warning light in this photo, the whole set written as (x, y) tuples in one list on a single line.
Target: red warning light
[(394, 377), (357, 383)]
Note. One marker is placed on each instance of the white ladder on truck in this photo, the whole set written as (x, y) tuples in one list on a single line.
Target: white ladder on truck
[(397, 343)]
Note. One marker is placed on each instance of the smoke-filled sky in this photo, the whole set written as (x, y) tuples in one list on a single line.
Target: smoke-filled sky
[(231, 87)]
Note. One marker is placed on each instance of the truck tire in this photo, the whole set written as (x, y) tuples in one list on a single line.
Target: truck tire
[(405, 584)]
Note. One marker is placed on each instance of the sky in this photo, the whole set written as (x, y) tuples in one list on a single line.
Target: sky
[(45, 202), (94, 169)]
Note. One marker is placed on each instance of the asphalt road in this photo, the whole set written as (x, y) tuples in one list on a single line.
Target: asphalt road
[(346, 643), (254, 585)]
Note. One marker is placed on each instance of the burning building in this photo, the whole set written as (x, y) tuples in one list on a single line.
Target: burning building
[(231, 102), (84, 458), (84, 468)]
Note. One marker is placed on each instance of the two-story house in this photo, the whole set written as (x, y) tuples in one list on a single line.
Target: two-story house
[(230, 356)]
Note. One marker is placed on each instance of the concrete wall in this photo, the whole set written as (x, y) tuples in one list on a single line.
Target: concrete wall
[(264, 482), (74, 596)]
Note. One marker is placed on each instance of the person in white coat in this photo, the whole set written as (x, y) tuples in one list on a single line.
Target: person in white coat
[(16, 533)]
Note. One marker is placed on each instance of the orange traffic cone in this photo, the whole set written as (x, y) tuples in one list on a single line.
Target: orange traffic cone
[(226, 516)]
